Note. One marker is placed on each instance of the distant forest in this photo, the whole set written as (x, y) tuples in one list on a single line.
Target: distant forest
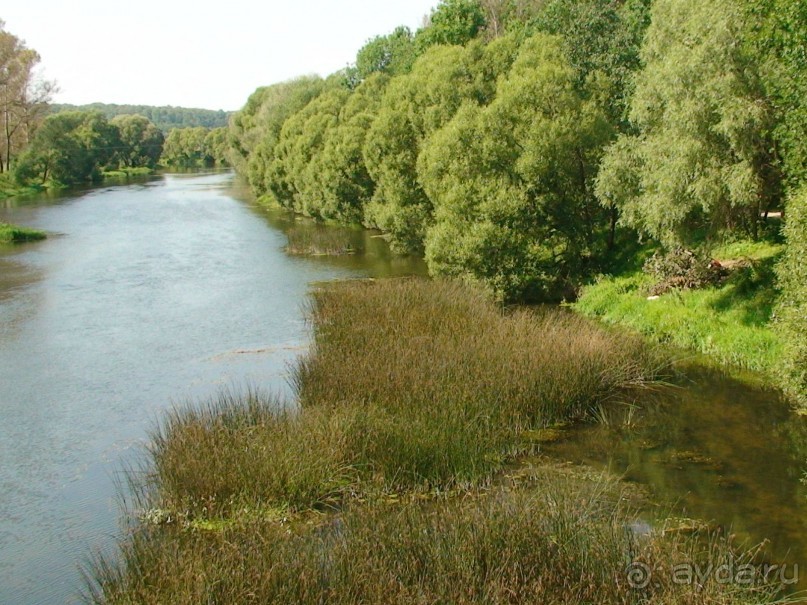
[(165, 118)]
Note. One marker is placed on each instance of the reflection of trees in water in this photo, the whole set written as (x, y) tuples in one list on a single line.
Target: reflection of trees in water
[(714, 448)]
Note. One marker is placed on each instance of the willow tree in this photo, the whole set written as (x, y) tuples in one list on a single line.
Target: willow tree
[(254, 130), (141, 141), (413, 108), (337, 175), (700, 160), (291, 176), (511, 182)]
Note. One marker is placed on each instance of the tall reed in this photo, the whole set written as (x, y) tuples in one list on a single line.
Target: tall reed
[(561, 538)]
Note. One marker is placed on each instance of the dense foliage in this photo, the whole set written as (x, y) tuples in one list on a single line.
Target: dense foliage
[(195, 146), (77, 147), (793, 305), (165, 118)]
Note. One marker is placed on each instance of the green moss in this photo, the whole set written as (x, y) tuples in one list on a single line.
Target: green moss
[(12, 234)]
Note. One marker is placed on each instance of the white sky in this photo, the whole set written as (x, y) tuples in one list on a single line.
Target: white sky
[(196, 53)]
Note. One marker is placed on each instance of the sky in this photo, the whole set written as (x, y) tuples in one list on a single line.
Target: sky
[(200, 53)]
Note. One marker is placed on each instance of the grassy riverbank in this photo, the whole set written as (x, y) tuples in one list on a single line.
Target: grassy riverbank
[(389, 483), (12, 234), (9, 188), (731, 322)]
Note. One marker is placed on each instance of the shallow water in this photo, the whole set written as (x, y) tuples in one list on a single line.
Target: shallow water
[(144, 295), (715, 448)]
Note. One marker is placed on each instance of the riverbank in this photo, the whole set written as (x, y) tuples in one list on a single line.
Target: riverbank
[(405, 473), (9, 189), (731, 322), (13, 234)]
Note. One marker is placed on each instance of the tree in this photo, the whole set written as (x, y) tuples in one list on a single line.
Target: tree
[(70, 148), (777, 38), (392, 54), (23, 96), (511, 182), (255, 130), (414, 106), (293, 175), (141, 141), (186, 147), (701, 160), (452, 22)]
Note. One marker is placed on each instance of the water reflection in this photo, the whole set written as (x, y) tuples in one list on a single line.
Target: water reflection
[(715, 448)]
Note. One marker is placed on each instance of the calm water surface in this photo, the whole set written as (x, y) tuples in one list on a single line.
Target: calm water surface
[(144, 296)]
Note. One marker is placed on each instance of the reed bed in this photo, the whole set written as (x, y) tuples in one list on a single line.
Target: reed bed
[(559, 538), (411, 384), (386, 483), (320, 241)]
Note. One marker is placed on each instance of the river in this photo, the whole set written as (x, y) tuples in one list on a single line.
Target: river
[(159, 292), (144, 296)]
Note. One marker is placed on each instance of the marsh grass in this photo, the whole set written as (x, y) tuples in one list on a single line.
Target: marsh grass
[(559, 537), (449, 380), (12, 234), (389, 480), (411, 385), (318, 240)]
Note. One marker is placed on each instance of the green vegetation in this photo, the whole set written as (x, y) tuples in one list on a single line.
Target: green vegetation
[(730, 321), (12, 234), (165, 118), (792, 310), (387, 484), (414, 384), (196, 146), (317, 241), (23, 96), (71, 148)]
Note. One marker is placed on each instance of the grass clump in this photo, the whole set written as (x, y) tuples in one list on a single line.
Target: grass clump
[(558, 537), (450, 381), (12, 234), (317, 240)]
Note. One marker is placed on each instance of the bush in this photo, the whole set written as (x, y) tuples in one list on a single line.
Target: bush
[(681, 268)]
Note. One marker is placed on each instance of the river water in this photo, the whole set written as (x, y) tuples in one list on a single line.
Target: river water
[(144, 296), (159, 292)]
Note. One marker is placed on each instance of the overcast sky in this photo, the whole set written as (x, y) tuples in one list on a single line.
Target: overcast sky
[(196, 53)]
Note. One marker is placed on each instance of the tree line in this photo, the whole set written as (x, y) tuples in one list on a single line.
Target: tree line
[(166, 118), (529, 145)]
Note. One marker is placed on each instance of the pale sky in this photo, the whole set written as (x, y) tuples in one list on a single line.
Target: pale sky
[(196, 53)]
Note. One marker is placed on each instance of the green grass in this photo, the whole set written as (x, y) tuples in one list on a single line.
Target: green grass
[(13, 234), (9, 188), (127, 172), (730, 322)]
